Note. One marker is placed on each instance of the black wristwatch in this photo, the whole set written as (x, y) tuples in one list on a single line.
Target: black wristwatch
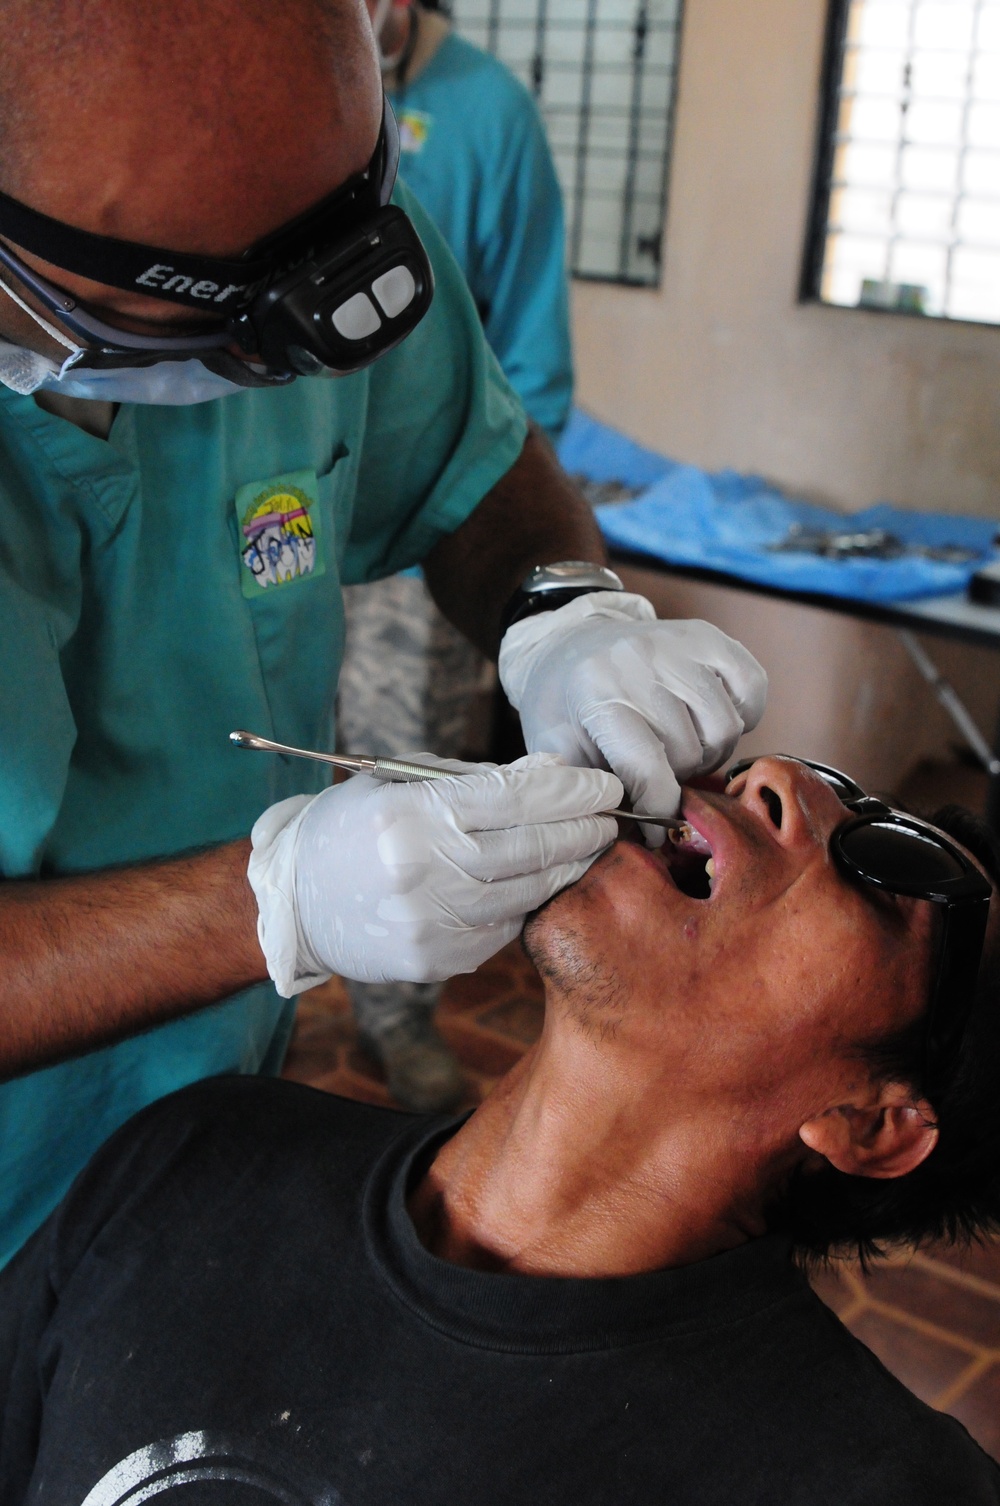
[(550, 586)]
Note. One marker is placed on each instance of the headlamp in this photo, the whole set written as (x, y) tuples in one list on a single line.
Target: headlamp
[(326, 294)]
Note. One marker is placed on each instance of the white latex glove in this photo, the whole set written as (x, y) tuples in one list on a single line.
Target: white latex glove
[(602, 682), (417, 882)]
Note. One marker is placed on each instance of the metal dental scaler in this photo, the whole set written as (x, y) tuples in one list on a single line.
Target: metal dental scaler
[(402, 771)]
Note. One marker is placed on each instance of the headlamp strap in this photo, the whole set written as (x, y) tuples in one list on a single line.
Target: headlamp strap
[(197, 281), (220, 284)]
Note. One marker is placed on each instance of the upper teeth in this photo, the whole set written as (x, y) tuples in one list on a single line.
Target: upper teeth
[(710, 867)]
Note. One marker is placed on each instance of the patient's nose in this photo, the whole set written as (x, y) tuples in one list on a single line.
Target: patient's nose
[(794, 801)]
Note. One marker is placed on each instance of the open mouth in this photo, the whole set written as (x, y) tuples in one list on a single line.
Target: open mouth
[(689, 861)]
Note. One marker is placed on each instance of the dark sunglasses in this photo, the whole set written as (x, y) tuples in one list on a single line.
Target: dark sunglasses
[(900, 854)]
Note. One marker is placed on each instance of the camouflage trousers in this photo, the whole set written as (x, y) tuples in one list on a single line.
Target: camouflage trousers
[(406, 686)]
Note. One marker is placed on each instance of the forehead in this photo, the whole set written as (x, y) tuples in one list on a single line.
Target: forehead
[(196, 141)]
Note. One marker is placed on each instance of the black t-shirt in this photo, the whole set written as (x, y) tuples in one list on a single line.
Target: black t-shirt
[(232, 1307)]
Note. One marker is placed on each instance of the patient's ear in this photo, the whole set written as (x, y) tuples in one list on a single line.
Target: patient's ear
[(887, 1138)]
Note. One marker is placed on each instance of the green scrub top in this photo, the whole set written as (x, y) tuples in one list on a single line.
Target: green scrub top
[(176, 581)]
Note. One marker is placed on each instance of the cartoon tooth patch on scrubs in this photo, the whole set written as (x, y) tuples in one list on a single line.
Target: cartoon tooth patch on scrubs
[(279, 532)]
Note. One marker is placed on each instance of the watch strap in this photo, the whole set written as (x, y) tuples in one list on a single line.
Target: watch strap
[(529, 604), (536, 593)]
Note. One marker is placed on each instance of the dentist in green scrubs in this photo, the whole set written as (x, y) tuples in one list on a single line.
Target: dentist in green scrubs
[(187, 479)]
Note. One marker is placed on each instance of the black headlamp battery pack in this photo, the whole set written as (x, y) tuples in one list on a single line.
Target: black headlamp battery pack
[(347, 306)]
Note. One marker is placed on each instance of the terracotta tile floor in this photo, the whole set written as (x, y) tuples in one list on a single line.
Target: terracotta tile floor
[(933, 1318), (488, 1018)]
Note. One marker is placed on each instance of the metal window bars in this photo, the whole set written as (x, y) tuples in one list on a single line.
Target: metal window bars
[(603, 73), (906, 213)]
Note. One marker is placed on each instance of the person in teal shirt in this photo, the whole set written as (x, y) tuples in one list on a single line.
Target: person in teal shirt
[(474, 151), (183, 494)]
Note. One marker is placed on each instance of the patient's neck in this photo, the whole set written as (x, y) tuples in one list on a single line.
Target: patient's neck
[(574, 1167)]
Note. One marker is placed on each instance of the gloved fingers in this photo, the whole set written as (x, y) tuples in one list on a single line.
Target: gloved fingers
[(636, 753), (519, 850), (420, 965), (507, 797), (687, 707), (714, 721), (369, 879), (528, 642), (453, 765), (490, 940), (513, 899), (276, 819), (539, 758), (622, 727), (744, 678), (565, 741)]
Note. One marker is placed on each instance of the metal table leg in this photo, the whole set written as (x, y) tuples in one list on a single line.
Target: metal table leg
[(962, 717)]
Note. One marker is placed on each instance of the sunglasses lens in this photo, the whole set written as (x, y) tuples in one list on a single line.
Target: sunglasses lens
[(900, 858)]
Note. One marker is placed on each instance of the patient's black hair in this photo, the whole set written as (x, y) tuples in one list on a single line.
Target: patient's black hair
[(955, 1194)]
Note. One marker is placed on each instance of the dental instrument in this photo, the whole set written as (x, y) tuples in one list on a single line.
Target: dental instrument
[(402, 771)]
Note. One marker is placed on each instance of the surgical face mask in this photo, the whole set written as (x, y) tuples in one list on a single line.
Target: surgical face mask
[(170, 383)]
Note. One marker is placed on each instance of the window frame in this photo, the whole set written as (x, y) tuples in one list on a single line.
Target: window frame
[(824, 150), (628, 236), (821, 186)]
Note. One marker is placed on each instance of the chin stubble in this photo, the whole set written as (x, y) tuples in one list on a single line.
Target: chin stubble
[(587, 986)]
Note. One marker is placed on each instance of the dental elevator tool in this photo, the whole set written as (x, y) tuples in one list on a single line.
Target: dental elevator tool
[(402, 771)]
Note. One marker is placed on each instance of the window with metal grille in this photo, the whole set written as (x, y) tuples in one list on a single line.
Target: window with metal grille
[(603, 73), (907, 210)]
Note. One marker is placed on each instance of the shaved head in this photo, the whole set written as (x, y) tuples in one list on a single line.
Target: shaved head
[(199, 125)]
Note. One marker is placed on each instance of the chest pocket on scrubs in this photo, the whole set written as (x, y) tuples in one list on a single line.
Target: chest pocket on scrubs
[(288, 534)]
